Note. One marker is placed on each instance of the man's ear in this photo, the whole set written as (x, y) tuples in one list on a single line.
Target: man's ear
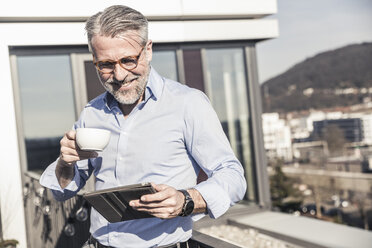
[(149, 50)]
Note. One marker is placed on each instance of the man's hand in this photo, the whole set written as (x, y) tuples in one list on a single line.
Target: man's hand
[(70, 151), (167, 202), (69, 154)]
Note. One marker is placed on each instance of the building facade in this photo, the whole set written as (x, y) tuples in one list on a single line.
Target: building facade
[(351, 128), (48, 76), (277, 137)]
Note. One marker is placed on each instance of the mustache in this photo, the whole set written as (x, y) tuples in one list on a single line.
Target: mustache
[(120, 82)]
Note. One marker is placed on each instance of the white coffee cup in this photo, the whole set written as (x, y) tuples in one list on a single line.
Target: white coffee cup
[(92, 139)]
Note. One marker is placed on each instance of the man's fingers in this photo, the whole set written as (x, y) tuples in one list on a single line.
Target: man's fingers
[(166, 203), (68, 158), (71, 135), (65, 142), (170, 202), (72, 155), (70, 152), (163, 192), (156, 197), (163, 213), (137, 204)]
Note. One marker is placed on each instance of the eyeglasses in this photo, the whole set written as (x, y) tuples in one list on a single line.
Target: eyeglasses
[(128, 63)]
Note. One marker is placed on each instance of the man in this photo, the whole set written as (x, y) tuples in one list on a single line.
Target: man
[(161, 132)]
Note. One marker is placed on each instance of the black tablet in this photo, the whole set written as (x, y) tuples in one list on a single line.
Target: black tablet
[(113, 203)]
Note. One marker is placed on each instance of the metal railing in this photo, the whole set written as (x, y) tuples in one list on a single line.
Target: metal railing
[(51, 223)]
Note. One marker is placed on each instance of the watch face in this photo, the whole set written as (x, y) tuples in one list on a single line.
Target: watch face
[(189, 208)]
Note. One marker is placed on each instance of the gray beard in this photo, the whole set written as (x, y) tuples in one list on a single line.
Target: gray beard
[(127, 97)]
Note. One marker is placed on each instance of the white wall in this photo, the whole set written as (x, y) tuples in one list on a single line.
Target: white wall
[(11, 201)]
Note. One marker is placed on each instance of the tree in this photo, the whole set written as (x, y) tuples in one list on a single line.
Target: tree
[(335, 138), (362, 201), (283, 195)]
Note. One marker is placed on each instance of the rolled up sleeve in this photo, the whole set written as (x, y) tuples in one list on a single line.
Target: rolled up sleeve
[(49, 180), (210, 148)]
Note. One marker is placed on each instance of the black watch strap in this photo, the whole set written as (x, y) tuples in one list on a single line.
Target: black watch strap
[(188, 206)]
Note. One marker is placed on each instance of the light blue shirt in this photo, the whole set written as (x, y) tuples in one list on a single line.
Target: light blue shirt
[(167, 138)]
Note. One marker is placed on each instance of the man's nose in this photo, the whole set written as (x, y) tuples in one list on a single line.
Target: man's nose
[(120, 73)]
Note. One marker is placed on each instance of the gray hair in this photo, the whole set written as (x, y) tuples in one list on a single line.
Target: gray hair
[(115, 21)]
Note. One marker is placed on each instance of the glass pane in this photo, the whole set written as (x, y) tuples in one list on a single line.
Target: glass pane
[(93, 84), (226, 87), (193, 67), (47, 105), (165, 63)]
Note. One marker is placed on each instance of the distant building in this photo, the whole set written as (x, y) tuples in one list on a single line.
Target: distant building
[(366, 119), (351, 127), (300, 128), (277, 137), (309, 127), (367, 129)]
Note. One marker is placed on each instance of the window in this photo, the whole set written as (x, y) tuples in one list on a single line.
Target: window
[(165, 64), (47, 105), (226, 85)]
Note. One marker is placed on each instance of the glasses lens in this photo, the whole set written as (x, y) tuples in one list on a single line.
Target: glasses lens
[(129, 62), (106, 66)]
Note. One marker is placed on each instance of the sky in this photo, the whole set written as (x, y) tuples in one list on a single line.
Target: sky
[(307, 28)]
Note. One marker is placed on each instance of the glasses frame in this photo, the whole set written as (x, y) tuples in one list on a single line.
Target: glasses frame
[(136, 58)]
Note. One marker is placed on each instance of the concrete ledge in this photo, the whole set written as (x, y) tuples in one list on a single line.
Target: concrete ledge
[(206, 241), (241, 209), (304, 231)]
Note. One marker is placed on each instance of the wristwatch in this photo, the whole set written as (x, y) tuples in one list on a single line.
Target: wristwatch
[(188, 206)]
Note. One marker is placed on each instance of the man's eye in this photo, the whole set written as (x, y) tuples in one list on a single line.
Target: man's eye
[(127, 61), (105, 65)]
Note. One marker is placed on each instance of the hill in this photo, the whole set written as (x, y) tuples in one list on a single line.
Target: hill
[(340, 77)]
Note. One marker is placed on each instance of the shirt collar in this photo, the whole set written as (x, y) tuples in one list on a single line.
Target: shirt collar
[(154, 88), (110, 101)]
